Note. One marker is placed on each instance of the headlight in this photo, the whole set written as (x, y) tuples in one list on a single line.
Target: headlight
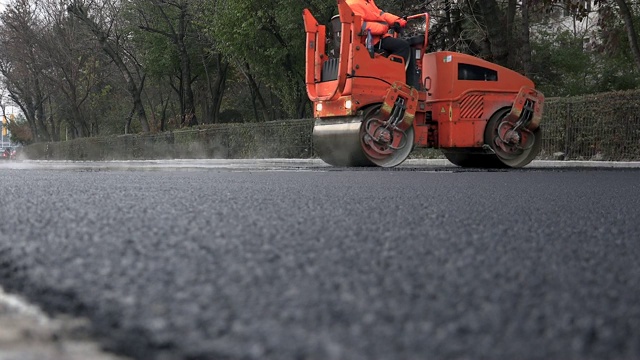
[(348, 104), (318, 107)]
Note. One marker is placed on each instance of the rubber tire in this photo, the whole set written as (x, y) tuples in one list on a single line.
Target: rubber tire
[(473, 160)]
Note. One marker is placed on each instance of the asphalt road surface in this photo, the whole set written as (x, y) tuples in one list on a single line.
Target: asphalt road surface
[(309, 262)]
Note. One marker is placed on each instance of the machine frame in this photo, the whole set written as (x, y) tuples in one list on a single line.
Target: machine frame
[(478, 113)]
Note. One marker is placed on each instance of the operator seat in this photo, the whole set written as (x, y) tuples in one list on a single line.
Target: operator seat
[(336, 31), (330, 67), (413, 74)]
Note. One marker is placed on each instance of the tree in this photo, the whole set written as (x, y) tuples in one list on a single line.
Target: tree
[(73, 70), (627, 16), (22, 67), (113, 39), (263, 41), (172, 19)]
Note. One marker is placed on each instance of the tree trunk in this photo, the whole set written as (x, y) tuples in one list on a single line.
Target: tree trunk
[(526, 43), (218, 86), (40, 115), (256, 95), (450, 42), (29, 113), (627, 16), (178, 36), (511, 15), (185, 68), (492, 20)]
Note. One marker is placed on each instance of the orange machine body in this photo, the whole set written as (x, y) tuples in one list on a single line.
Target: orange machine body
[(456, 94)]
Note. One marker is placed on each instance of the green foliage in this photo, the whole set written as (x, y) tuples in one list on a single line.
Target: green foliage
[(264, 39), (616, 74), (561, 66), (564, 65), (20, 131), (150, 24)]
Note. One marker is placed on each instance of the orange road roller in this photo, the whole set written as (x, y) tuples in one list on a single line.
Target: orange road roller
[(370, 110)]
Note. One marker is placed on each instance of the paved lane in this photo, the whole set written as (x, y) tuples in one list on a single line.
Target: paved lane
[(410, 263)]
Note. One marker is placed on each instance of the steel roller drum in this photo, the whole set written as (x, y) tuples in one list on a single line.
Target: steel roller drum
[(337, 141)]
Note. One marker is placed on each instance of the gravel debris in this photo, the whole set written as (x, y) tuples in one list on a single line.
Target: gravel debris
[(27, 333)]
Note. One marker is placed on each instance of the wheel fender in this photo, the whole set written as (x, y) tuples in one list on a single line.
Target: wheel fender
[(528, 103), (410, 96)]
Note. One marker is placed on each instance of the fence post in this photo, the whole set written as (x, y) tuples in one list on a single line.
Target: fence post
[(567, 131)]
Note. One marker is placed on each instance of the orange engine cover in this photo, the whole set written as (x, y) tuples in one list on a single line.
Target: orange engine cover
[(464, 92)]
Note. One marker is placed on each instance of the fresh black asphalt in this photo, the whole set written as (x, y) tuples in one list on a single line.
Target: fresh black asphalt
[(332, 264)]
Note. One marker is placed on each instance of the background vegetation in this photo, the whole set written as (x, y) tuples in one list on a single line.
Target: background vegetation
[(89, 68)]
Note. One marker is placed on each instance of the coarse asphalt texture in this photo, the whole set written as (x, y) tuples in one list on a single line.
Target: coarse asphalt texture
[(320, 263)]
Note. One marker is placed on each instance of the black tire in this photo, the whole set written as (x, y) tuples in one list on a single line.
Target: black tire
[(473, 160)]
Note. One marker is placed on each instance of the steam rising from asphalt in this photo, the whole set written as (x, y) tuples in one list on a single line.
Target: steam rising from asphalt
[(182, 164)]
